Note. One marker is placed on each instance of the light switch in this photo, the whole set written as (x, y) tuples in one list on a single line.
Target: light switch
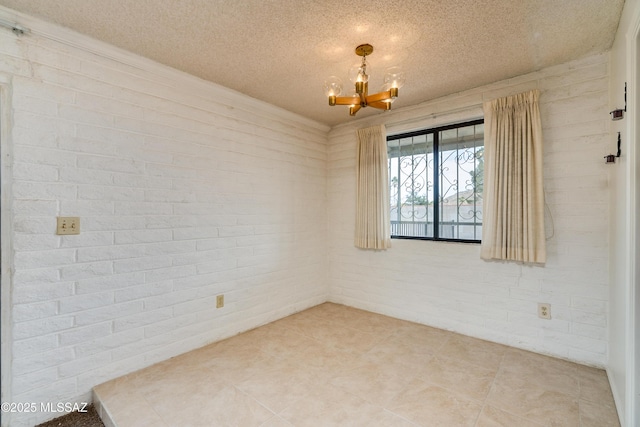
[(68, 225)]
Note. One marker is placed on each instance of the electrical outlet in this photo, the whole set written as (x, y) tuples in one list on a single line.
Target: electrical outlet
[(68, 225), (544, 311), (220, 301)]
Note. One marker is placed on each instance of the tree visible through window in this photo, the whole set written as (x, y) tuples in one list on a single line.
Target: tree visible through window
[(436, 183)]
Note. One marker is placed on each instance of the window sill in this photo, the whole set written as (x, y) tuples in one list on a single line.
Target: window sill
[(431, 239)]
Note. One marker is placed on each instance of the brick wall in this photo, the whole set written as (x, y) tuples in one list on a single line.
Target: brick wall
[(185, 190), (447, 285)]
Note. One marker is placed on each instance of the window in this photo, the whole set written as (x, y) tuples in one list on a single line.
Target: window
[(435, 179)]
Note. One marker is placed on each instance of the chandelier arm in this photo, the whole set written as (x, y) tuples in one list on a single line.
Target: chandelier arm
[(380, 105), (381, 96), (347, 100), (354, 109)]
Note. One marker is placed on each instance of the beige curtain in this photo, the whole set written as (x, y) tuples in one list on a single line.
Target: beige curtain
[(513, 211), (373, 229)]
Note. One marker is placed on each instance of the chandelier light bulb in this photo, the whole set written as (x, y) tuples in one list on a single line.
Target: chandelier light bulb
[(394, 77), (333, 86), (357, 73)]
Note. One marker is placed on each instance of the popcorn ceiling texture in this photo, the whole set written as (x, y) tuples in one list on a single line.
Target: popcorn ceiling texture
[(282, 51)]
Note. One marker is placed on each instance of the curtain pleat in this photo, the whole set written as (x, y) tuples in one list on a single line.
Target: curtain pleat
[(513, 224), (373, 228)]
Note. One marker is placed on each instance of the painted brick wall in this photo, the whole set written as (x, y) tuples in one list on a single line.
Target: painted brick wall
[(447, 285), (185, 190)]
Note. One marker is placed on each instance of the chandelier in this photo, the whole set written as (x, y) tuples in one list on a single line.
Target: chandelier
[(393, 80)]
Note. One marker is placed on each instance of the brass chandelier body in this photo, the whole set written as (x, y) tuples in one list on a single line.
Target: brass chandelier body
[(381, 100)]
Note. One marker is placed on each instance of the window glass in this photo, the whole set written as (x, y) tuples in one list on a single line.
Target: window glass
[(435, 183)]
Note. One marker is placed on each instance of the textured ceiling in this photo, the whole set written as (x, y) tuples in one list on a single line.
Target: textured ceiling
[(281, 51)]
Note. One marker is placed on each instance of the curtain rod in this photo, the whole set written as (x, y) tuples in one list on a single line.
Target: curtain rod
[(434, 115)]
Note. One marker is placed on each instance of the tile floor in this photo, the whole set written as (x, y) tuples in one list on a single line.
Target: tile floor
[(333, 365)]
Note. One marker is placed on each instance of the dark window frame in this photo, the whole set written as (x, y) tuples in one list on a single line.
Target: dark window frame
[(436, 177)]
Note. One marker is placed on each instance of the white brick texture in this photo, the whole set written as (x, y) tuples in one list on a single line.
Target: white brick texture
[(182, 194)]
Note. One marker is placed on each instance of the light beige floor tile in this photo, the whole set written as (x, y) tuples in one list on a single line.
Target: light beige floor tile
[(423, 339), (267, 338), (309, 325), (473, 381), (113, 388), (336, 312), (276, 421), (522, 369), (323, 373), (279, 386), (396, 345), (330, 406), (178, 388), (175, 381), (317, 354), (472, 350), (255, 337), (214, 406), (237, 366), (371, 382), (197, 356), (429, 405), (594, 385), (493, 417), (348, 339), (149, 375), (384, 418), (286, 343), (244, 345), (533, 403), (529, 360), (381, 326), (598, 414), (404, 367), (337, 366), (120, 397), (400, 357), (136, 412)]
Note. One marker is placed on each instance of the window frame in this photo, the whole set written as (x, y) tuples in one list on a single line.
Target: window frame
[(435, 131)]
